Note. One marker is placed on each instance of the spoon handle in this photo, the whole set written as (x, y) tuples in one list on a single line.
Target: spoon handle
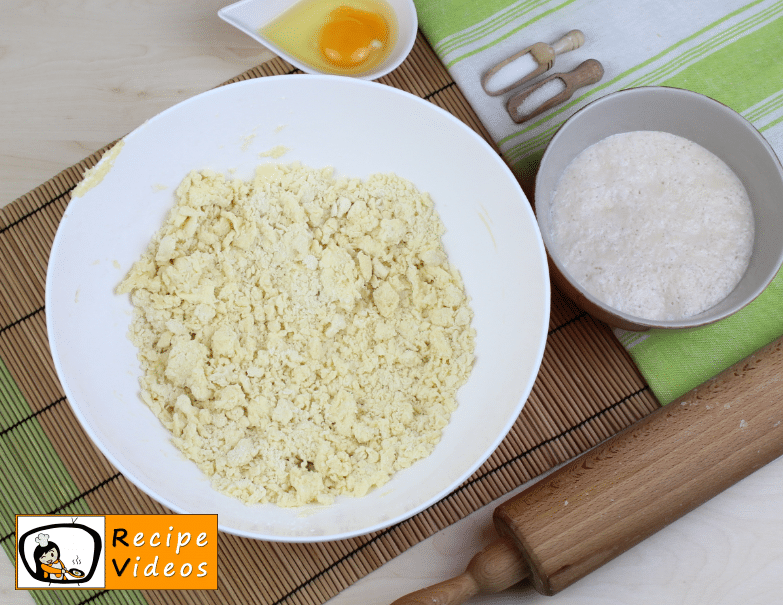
[(586, 73), (571, 41)]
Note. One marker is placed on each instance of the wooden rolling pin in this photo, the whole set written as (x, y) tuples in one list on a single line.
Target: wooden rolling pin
[(630, 486)]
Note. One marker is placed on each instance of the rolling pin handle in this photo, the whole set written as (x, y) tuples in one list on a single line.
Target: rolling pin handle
[(498, 567)]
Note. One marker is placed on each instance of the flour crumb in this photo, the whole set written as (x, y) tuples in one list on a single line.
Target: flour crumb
[(276, 152), (302, 336), (247, 141), (743, 424), (95, 175)]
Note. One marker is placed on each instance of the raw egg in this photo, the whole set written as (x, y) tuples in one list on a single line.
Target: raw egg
[(351, 35), (347, 37)]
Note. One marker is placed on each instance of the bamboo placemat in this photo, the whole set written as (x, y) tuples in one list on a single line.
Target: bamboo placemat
[(587, 390)]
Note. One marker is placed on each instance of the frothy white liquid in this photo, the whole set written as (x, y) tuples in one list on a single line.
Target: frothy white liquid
[(652, 224)]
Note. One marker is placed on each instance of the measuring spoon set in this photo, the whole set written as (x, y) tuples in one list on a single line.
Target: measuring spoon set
[(532, 61)]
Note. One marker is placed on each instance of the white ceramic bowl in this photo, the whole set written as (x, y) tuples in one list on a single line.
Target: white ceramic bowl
[(250, 16), (360, 128), (704, 121)]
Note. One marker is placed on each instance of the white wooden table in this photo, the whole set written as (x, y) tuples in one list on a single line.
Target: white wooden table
[(77, 75)]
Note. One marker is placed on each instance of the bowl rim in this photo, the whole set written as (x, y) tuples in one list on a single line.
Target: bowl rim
[(607, 313)]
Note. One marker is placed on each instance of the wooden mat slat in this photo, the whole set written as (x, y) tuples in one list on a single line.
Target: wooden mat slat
[(232, 546), (562, 310), (587, 390), (87, 466), (421, 74), (21, 298)]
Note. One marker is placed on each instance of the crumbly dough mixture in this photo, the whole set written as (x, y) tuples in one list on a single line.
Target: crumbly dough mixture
[(302, 336)]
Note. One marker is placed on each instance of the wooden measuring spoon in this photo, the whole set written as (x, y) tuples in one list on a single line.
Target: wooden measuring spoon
[(543, 56), (586, 73), (630, 486)]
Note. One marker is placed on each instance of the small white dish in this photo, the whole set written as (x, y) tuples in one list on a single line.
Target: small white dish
[(249, 16)]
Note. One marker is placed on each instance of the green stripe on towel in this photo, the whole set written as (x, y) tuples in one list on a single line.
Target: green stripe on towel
[(443, 19), (753, 60)]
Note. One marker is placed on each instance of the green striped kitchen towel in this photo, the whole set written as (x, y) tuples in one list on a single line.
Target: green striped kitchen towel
[(730, 50)]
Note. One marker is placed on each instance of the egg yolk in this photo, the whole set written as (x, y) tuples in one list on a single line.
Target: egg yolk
[(351, 35)]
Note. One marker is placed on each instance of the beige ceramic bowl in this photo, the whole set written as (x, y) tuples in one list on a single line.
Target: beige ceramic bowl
[(705, 122)]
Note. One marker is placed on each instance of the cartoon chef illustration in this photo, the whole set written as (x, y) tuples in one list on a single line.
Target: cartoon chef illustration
[(48, 565)]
